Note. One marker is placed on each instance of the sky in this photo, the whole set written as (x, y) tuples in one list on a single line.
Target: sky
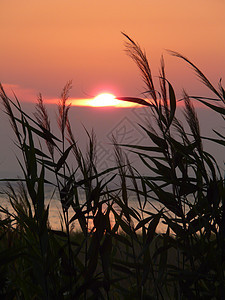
[(46, 43)]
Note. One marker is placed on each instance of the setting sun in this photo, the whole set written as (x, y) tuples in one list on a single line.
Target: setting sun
[(107, 99), (104, 99)]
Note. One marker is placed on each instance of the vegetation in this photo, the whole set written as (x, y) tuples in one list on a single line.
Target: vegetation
[(118, 253)]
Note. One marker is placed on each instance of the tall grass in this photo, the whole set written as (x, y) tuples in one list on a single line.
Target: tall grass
[(118, 253)]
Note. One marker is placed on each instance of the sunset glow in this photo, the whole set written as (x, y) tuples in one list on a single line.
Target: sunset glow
[(40, 51), (103, 100)]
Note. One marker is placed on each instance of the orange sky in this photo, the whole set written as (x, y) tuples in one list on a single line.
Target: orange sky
[(45, 43)]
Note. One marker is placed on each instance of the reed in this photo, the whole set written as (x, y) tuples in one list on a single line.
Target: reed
[(117, 251)]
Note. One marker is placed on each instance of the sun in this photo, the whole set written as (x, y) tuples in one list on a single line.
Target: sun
[(104, 99)]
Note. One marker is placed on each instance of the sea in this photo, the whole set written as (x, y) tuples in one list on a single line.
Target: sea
[(56, 216), (124, 126)]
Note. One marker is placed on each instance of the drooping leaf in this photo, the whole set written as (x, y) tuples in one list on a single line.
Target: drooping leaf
[(218, 109), (63, 158), (172, 102), (175, 227), (142, 223), (152, 228), (40, 195), (144, 148), (135, 100), (124, 225), (218, 141), (48, 136), (156, 139), (166, 198)]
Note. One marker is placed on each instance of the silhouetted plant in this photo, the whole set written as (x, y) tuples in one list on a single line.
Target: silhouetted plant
[(118, 252), (186, 180)]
